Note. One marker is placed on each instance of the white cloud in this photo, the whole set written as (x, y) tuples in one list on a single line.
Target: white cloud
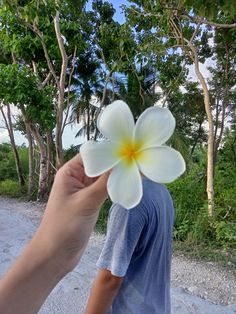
[(19, 138), (69, 138), (203, 68), (14, 110), (4, 136)]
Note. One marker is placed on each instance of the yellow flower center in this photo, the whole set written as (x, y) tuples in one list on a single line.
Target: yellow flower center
[(130, 152)]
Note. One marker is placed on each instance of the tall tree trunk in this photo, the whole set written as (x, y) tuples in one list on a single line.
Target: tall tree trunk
[(102, 102), (210, 151), (61, 92), (60, 83), (210, 147), (43, 191), (8, 122), (190, 51), (58, 140), (88, 122), (30, 157), (50, 159)]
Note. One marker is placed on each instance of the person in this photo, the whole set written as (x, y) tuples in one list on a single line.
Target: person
[(134, 275), (58, 244)]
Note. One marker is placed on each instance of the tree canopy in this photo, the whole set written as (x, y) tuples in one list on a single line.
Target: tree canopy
[(61, 63)]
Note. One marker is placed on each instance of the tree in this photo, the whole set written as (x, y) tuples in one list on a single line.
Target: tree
[(172, 26), (9, 126), (25, 130), (35, 106), (49, 38), (139, 89), (222, 82), (62, 33), (87, 85), (188, 110), (112, 56)]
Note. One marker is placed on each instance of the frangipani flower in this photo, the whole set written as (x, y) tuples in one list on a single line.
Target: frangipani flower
[(132, 150)]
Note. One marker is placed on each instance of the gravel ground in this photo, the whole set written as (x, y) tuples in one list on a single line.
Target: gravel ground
[(190, 279), (205, 279)]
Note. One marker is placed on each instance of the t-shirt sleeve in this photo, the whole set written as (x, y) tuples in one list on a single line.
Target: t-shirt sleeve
[(123, 233)]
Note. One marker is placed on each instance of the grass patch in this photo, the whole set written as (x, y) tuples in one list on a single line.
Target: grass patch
[(208, 253), (11, 188)]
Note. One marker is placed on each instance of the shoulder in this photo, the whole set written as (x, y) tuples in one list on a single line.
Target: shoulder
[(154, 194), (152, 189), (149, 185), (120, 215)]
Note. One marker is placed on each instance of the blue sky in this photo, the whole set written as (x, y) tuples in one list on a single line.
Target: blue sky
[(119, 17)]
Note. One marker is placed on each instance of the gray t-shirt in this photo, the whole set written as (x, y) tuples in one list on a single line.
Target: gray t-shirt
[(138, 248)]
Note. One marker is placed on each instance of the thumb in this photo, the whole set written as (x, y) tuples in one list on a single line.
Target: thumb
[(93, 196), (99, 187)]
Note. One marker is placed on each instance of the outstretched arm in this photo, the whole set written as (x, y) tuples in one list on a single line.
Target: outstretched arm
[(59, 242)]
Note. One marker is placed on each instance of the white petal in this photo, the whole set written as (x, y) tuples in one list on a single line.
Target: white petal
[(125, 185), (154, 127), (161, 164), (98, 157), (116, 122)]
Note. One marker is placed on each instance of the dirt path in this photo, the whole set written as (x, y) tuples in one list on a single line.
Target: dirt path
[(190, 279)]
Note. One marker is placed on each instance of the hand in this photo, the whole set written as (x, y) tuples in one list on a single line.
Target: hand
[(72, 212), (59, 242)]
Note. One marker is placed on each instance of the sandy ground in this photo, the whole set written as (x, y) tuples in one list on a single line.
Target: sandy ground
[(190, 279)]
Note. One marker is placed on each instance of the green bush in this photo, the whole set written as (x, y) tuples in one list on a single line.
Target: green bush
[(8, 173), (225, 187), (189, 195), (225, 234), (11, 188), (7, 162), (201, 231), (192, 223)]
